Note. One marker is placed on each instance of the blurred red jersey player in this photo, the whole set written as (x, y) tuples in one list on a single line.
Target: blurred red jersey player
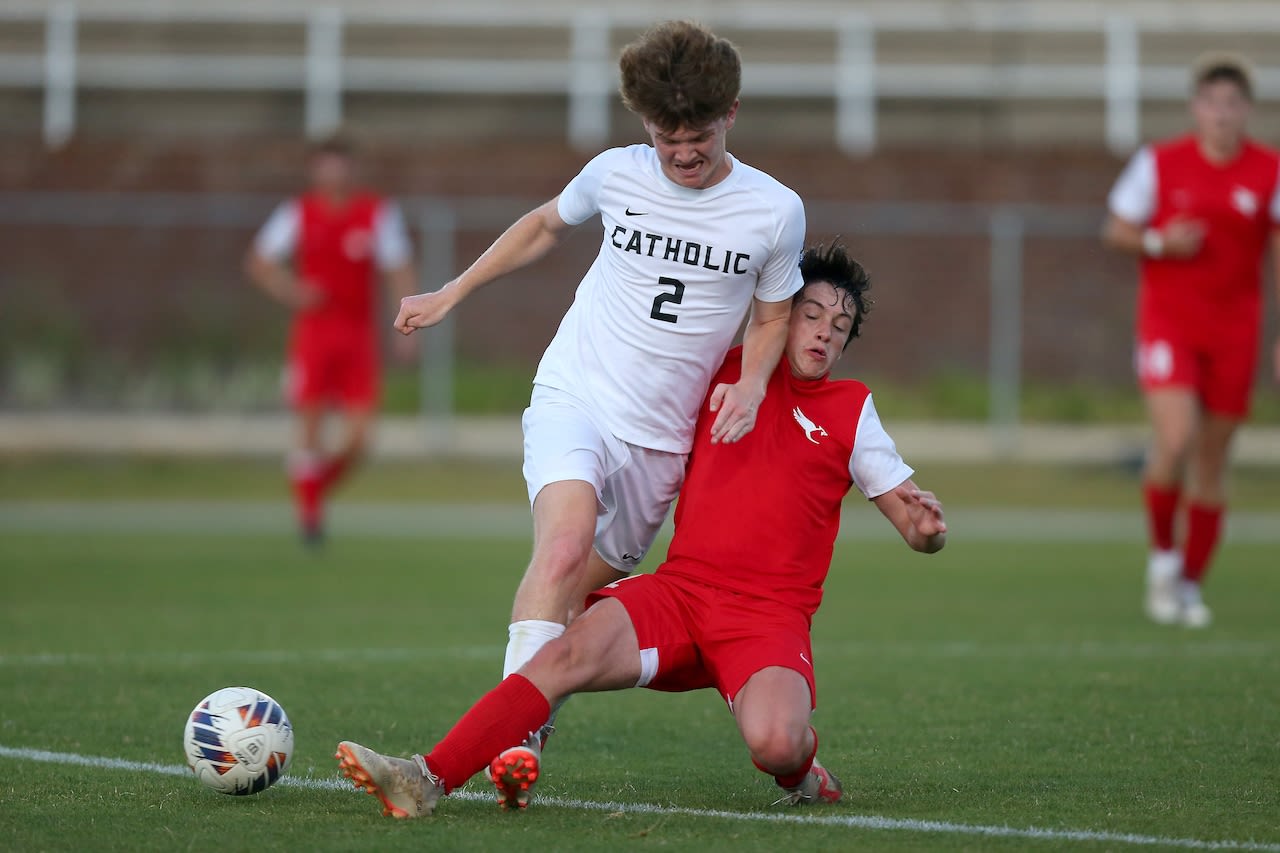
[(319, 254), (1200, 210)]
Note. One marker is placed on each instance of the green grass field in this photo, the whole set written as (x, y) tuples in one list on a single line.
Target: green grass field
[(1002, 695)]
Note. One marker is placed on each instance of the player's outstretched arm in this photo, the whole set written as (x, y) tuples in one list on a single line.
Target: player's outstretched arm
[(531, 237), (917, 515), (762, 344)]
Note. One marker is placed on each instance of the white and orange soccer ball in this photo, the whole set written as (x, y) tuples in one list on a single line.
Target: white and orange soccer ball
[(238, 741)]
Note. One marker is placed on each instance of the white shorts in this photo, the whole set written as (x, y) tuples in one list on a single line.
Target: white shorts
[(635, 485)]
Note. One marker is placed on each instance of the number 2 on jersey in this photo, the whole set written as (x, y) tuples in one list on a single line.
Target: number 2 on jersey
[(674, 298)]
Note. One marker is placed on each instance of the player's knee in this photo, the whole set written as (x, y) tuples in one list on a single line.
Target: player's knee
[(561, 558), (561, 667), (1168, 456), (777, 745), (1171, 447)]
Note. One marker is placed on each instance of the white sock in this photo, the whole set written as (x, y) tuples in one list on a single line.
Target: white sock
[(301, 464), (524, 639)]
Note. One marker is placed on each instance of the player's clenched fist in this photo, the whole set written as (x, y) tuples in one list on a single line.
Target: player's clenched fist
[(423, 310)]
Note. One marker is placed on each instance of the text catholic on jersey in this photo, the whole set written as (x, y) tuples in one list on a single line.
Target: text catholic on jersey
[(681, 251)]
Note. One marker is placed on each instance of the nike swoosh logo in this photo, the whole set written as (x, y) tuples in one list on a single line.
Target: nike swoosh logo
[(631, 212)]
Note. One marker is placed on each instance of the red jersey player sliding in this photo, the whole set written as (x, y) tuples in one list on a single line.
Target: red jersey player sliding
[(732, 605), (1200, 210), (339, 236)]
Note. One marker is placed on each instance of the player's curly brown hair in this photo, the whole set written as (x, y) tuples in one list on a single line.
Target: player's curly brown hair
[(679, 74), (833, 265)]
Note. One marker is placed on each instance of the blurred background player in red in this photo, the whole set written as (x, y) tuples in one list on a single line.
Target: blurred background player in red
[(1199, 210), (319, 255)]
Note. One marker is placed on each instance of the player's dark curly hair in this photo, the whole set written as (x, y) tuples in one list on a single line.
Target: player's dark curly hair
[(679, 74), (833, 265)]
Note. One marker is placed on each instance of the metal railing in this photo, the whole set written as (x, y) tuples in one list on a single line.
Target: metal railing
[(439, 222), (855, 77)]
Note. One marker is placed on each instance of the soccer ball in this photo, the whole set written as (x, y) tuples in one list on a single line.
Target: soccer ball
[(238, 741)]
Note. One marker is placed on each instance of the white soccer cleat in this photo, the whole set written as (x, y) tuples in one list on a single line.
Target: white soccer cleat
[(820, 786), (406, 787), (1164, 568), (1194, 613)]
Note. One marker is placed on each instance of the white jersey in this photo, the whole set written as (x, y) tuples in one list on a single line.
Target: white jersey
[(660, 306)]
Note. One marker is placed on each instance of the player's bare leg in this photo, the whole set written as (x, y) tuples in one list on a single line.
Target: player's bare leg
[(1206, 499), (564, 518), (356, 428), (596, 574), (772, 711), (1207, 474), (564, 523), (306, 468), (1174, 415)]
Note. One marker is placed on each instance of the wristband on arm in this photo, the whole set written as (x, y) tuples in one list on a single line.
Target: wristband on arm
[(1152, 243)]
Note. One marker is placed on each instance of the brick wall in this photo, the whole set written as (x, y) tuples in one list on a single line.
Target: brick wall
[(132, 295)]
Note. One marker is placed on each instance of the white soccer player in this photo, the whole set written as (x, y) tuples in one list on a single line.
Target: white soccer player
[(692, 239)]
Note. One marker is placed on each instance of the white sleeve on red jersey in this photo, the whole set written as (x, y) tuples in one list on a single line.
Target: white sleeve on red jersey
[(580, 200), (390, 238), (278, 238), (875, 465), (1133, 198)]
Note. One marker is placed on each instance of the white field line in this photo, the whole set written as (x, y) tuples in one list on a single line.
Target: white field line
[(873, 822), (1091, 650), (407, 520)]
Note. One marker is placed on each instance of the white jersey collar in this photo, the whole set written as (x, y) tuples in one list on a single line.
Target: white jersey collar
[(680, 191)]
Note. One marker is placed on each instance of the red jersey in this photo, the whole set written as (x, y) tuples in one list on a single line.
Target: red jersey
[(1220, 288), (335, 253), (760, 516)]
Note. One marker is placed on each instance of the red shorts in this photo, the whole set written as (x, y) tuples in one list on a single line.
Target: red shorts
[(337, 370), (1221, 374), (693, 636)]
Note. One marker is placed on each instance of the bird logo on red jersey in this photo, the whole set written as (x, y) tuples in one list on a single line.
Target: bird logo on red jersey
[(807, 425), (1243, 200)]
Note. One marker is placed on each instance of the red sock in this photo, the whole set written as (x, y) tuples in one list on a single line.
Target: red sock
[(333, 471), (792, 779), (1204, 525), (504, 717), (1162, 503)]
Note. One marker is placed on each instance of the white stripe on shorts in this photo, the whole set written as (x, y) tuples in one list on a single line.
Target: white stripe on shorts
[(648, 666)]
